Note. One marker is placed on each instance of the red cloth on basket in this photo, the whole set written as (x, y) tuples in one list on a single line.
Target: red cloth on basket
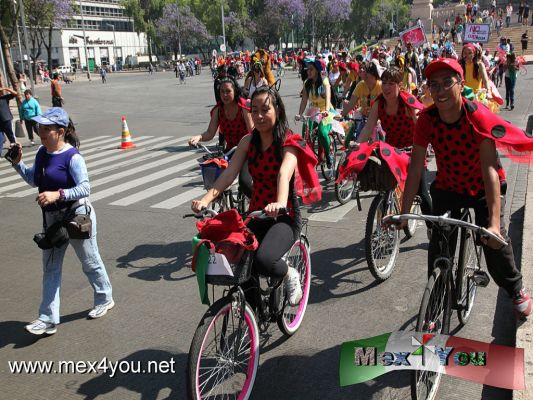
[(397, 161), (218, 161), (227, 227)]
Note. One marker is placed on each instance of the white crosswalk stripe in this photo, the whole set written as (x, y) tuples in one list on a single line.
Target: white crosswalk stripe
[(160, 173)]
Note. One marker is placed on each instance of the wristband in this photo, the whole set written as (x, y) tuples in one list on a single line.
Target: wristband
[(61, 195)]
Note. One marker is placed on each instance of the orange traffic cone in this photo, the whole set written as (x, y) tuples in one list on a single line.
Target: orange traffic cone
[(126, 137)]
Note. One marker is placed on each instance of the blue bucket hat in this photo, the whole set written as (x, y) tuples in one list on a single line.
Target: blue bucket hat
[(53, 116)]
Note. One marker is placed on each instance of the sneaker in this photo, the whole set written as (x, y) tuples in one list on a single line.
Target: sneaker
[(512, 107), (33, 143), (101, 309), (293, 289), (522, 304), (39, 327)]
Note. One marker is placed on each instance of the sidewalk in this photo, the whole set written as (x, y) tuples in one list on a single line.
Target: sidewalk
[(524, 333)]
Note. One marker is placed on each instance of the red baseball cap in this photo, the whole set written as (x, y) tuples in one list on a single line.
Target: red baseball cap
[(443, 63), (353, 66)]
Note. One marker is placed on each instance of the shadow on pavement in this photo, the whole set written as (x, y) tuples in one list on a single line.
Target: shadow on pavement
[(13, 332), (149, 385), (317, 377), (178, 255), (329, 275)]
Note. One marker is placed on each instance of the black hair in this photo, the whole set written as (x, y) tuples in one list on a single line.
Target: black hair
[(280, 128), (314, 86), (236, 87), (28, 91), (70, 134), (372, 69), (475, 61)]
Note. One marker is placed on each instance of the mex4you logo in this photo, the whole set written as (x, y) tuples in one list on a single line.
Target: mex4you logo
[(486, 363), (424, 353)]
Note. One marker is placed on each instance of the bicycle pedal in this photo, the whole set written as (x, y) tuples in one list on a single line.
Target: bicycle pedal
[(481, 278)]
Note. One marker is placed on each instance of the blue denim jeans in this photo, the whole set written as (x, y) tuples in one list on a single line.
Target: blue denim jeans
[(91, 262)]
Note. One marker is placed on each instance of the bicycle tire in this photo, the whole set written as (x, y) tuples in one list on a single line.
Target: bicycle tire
[(468, 264), (344, 189), (219, 309), (434, 298), (373, 237), (299, 257), (327, 172), (410, 229)]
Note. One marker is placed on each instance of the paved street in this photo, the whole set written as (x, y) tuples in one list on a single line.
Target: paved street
[(140, 197)]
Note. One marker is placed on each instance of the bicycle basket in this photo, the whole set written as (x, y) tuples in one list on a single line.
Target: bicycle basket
[(376, 176), (210, 173), (229, 259)]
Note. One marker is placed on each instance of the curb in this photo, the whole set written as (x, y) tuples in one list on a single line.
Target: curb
[(524, 333)]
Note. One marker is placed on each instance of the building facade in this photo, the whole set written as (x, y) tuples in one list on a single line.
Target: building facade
[(109, 36)]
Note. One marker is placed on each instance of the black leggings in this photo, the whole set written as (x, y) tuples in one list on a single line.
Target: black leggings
[(31, 126), (276, 237), (500, 263)]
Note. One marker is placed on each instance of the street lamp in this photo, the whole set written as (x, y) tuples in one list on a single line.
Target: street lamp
[(114, 45)]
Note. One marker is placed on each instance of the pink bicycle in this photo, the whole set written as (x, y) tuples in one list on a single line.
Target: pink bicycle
[(224, 353)]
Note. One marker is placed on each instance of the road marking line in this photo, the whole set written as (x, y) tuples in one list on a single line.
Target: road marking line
[(31, 154), (123, 174), (145, 179), (152, 191), (180, 199), (104, 153)]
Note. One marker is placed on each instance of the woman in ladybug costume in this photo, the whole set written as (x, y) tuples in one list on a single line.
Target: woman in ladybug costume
[(281, 165), (230, 117), (397, 112)]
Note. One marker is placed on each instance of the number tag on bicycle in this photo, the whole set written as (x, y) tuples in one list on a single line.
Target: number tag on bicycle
[(218, 265)]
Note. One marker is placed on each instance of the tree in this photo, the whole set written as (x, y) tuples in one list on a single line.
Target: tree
[(277, 20), (8, 18), (179, 27), (144, 14)]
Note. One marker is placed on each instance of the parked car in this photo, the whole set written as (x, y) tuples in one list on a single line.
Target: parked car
[(63, 69)]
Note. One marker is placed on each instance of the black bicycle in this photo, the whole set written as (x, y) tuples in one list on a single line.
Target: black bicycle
[(232, 197), (452, 285)]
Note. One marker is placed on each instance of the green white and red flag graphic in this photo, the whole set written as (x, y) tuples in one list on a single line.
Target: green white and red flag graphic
[(484, 363)]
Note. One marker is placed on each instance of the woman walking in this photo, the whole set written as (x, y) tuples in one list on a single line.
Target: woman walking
[(60, 174), (30, 108)]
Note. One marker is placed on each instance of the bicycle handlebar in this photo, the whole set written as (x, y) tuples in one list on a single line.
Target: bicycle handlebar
[(259, 214), (204, 148), (445, 220)]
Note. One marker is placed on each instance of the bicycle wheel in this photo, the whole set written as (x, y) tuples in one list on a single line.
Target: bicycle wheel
[(381, 244), (298, 257), (328, 172), (345, 188), (432, 318), (223, 359), (410, 229), (468, 265)]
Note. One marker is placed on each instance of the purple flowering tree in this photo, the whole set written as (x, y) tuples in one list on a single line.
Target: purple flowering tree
[(279, 19), (179, 29), (327, 19)]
